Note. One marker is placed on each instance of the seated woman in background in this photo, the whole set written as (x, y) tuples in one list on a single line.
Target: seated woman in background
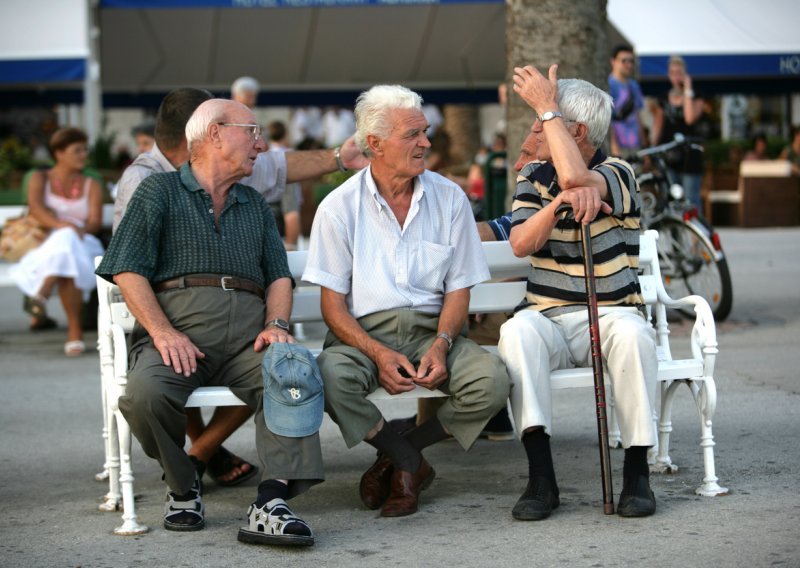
[(70, 206), (759, 150)]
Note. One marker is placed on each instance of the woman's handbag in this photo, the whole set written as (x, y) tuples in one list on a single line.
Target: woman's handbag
[(20, 235)]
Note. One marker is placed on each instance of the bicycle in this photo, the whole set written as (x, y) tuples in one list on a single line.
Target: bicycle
[(689, 249)]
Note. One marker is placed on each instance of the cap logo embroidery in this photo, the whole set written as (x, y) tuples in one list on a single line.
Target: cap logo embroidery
[(295, 393)]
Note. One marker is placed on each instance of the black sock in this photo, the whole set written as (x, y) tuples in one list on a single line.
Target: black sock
[(403, 455), (540, 458), (269, 490), (635, 463), (426, 434)]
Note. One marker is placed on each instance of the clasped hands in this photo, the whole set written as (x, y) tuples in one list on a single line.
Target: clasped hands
[(397, 374)]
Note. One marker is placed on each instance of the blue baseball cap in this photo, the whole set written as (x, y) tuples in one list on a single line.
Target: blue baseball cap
[(294, 399)]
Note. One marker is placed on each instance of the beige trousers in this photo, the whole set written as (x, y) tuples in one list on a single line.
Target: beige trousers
[(532, 345)]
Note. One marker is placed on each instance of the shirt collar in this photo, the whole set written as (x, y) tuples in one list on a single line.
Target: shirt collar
[(190, 182), (159, 157), (380, 202)]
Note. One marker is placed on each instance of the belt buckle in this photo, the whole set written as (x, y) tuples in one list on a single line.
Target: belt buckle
[(222, 283)]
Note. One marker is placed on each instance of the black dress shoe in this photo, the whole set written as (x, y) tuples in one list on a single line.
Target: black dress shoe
[(636, 498), (538, 500)]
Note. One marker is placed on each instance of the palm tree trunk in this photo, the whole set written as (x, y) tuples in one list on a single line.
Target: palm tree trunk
[(571, 33)]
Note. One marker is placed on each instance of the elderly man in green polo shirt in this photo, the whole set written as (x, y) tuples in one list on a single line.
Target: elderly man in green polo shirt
[(197, 256)]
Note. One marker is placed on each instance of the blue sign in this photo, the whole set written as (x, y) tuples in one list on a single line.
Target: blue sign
[(42, 70), (731, 65), (139, 4)]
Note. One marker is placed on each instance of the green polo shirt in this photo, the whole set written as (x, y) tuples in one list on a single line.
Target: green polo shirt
[(168, 231)]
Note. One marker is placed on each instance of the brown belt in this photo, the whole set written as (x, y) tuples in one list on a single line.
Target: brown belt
[(224, 282)]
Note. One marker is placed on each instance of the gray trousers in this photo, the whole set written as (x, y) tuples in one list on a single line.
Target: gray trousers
[(478, 383), (223, 325)]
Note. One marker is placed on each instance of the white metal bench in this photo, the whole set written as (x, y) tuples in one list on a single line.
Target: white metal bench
[(115, 321)]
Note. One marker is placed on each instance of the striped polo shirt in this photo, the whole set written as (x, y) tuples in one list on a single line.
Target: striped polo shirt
[(556, 284)]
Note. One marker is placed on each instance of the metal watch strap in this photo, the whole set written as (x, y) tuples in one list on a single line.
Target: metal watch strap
[(279, 323), (448, 339)]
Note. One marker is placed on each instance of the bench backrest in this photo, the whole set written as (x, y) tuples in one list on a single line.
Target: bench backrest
[(487, 297)]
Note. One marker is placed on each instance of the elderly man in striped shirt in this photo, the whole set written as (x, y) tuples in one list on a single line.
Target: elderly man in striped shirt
[(550, 329), (396, 251)]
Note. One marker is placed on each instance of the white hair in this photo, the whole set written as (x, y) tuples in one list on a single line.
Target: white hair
[(372, 111), (581, 101), (209, 112), (245, 85)]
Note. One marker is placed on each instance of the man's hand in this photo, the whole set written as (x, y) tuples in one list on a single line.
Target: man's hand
[(177, 351), (390, 377), (432, 370), (585, 202), (535, 89), (272, 334), (351, 156)]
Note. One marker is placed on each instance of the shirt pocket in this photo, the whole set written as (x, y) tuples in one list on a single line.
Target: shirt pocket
[(429, 266)]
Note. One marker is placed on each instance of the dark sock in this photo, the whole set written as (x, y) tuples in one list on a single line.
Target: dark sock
[(635, 463), (426, 434), (269, 490), (403, 455), (540, 458)]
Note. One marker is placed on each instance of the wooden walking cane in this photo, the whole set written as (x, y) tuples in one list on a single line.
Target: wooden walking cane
[(597, 366)]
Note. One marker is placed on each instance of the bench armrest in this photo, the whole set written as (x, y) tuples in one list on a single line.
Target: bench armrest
[(704, 331)]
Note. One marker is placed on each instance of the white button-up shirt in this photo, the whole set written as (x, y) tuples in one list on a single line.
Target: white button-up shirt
[(359, 249)]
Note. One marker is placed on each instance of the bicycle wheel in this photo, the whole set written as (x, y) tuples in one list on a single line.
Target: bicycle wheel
[(689, 266)]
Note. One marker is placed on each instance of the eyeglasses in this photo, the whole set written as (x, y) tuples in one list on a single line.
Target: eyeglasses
[(626, 60), (253, 129), (537, 118)]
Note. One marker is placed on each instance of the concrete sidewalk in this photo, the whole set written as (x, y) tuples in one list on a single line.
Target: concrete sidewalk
[(50, 448)]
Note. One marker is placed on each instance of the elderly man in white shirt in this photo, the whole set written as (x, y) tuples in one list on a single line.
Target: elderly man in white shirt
[(396, 251)]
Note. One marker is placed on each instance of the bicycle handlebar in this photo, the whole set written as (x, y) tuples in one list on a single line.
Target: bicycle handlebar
[(679, 141)]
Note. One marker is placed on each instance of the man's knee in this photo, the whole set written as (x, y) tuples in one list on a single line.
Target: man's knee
[(148, 395), (488, 386), (342, 376)]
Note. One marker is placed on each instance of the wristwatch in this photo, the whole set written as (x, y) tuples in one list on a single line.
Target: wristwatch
[(448, 339), (550, 115), (282, 324)]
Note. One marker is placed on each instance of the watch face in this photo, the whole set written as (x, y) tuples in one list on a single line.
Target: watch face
[(283, 324), (550, 115)]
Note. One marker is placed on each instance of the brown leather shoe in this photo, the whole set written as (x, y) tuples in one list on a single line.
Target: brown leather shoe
[(374, 486), (405, 490)]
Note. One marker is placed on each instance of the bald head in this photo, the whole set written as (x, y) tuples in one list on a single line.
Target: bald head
[(213, 111)]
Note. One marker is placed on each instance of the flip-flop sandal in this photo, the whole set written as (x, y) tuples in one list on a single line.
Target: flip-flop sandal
[(35, 306), (223, 462), (74, 348)]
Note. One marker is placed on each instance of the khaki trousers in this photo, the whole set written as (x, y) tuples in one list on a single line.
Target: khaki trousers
[(223, 325), (532, 345), (478, 382)]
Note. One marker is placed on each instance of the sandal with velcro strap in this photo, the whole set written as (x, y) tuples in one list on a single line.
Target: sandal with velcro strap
[(185, 512), (276, 524)]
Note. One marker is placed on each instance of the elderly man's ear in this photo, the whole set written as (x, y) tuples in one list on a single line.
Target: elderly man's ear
[(215, 134), (374, 143)]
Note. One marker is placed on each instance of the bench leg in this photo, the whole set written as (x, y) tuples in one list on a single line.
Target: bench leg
[(106, 372), (103, 475), (663, 463), (705, 397), (130, 524)]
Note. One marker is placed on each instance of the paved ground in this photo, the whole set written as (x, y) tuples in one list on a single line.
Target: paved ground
[(50, 448)]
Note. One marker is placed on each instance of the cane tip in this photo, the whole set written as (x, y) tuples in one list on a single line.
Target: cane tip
[(608, 508)]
